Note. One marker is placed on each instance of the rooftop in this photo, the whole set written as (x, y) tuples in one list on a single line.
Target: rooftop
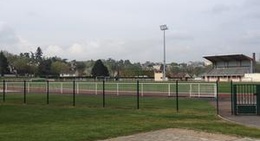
[(227, 58)]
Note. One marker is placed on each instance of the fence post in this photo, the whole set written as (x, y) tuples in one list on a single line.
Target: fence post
[(24, 92), (142, 89), (169, 90), (177, 96), (28, 87), (217, 99), (77, 87), (232, 97), (74, 92), (258, 99), (48, 91), (96, 88), (117, 89), (104, 104), (137, 94), (3, 90), (61, 87)]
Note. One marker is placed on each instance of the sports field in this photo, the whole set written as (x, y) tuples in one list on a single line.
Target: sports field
[(89, 119)]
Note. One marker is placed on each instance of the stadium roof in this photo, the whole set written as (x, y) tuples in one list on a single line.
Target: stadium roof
[(226, 58)]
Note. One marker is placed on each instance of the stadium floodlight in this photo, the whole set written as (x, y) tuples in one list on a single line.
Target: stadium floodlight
[(163, 28)]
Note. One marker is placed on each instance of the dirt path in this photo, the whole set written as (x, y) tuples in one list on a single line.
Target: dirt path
[(179, 135)]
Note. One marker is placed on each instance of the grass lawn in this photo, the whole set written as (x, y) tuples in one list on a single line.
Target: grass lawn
[(88, 120)]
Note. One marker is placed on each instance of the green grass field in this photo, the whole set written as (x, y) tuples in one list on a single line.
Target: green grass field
[(88, 120)]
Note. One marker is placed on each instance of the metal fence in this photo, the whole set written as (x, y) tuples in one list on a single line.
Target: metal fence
[(75, 92), (145, 89), (237, 98)]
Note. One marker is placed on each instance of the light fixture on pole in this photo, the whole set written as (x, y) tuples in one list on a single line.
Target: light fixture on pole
[(163, 28)]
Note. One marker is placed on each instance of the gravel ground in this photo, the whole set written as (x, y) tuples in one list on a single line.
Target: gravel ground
[(179, 135)]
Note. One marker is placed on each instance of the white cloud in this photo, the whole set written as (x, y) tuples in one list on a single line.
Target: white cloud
[(129, 29), (220, 9), (11, 42), (7, 35), (76, 49), (54, 50)]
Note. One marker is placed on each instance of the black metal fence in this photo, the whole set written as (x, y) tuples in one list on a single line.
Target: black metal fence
[(238, 98), (122, 95)]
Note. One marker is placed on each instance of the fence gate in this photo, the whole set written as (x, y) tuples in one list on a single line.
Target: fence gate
[(245, 99)]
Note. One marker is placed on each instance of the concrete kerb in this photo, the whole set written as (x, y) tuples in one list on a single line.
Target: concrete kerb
[(243, 120)]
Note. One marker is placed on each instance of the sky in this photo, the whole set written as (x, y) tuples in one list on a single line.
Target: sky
[(130, 29)]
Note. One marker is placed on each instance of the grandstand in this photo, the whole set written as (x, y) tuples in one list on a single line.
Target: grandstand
[(229, 67)]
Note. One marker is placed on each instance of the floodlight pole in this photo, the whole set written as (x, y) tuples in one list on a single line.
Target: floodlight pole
[(163, 28)]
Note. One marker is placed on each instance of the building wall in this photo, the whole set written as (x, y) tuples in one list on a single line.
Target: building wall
[(211, 79), (246, 64), (252, 77), (223, 79), (222, 64), (158, 76), (236, 79), (249, 77)]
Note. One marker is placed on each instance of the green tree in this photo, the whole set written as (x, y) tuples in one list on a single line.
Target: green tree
[(59, 67), (113, 66), (21, 64), (80, 67), (89, 65), (3, 64), (44, 68), (24, 64), (38, 54), (99, 69), (132, 70)]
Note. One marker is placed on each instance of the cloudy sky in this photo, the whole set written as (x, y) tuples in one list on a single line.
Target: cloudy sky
[(129, 29)]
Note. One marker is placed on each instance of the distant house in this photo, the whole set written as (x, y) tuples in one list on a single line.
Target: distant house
[(67, 75), (180, 76), (158, 76), (158, 68)]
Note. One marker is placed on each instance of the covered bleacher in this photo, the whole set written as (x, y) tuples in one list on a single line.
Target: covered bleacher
[(228, 71), (228, 67)]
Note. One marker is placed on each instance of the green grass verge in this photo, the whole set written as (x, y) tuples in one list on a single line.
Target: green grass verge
[(59, 121)]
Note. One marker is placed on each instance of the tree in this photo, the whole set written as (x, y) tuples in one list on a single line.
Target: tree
[(3, 64), (112, 66), (99, 69), (59, 67), (80, 67), (131, 70), (89, 65), (21, 64), (44, 68), (38, 54)]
